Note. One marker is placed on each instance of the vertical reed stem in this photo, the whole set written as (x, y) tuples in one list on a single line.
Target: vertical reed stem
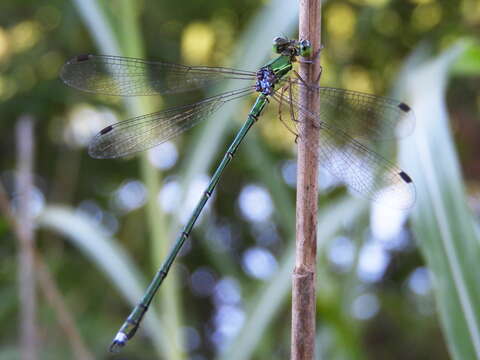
[(303, 286)]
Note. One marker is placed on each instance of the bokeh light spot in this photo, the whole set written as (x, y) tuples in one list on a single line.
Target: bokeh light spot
[(259, 263), (130, 195), (164, 156), (24, 35), (365, 306), (227, 292), (425, 17), (36, 201), (341, 253), (203, 282), (340, 21), (228, 321), (84, 122), (193, 338), (357, 78), (289, 172), (471, 11), (169, 196), (4, 46), (255, 203), (373, 262), (197, 43), (386, 222), (419, 281)]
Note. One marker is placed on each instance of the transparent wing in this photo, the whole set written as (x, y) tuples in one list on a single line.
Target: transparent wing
[(143, 132), (362, 116), (115, 75), (358, 167)]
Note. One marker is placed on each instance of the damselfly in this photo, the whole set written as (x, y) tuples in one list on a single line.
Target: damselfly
[(347, 120)]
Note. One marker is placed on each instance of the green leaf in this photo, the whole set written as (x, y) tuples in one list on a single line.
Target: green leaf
[(444, 226), (468, 63), (108, 41), (106, 253)]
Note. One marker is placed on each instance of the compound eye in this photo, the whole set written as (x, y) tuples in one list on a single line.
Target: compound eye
[(305, 48), (280, 40), (279, 44)]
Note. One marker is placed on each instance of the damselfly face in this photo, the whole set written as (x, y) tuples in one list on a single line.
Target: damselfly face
[(291, 48)]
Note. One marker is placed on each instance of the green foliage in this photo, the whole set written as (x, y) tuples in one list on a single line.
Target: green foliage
[(93, 241), (442, 221), (366, 44)]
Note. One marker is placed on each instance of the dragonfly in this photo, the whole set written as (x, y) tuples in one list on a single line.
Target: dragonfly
[(348, 122)]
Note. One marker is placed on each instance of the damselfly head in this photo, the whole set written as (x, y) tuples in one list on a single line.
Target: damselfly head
[(292, 48)]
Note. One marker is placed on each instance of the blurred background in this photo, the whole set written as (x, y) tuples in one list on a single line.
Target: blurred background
[(396, 285)]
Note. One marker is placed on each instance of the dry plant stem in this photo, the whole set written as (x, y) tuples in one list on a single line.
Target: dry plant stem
[(24, 230), (49, 289), (66, 321), (303, 287), (45, 280)]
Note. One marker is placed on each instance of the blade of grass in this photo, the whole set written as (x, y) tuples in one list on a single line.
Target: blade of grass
[(442, 222), (108, 255), (98, 25), (468, 63), (168, 296), (109, 42)]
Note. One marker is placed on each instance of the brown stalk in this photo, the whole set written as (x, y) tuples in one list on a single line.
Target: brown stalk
[(304, 277), (31, 264)]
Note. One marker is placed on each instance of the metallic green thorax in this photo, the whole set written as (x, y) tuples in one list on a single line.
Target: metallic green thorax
[(279, 67)]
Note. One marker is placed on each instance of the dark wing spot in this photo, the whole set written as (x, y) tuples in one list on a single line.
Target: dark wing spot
[(404, 107), (106, 130), (405, 177), (84, 57)]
